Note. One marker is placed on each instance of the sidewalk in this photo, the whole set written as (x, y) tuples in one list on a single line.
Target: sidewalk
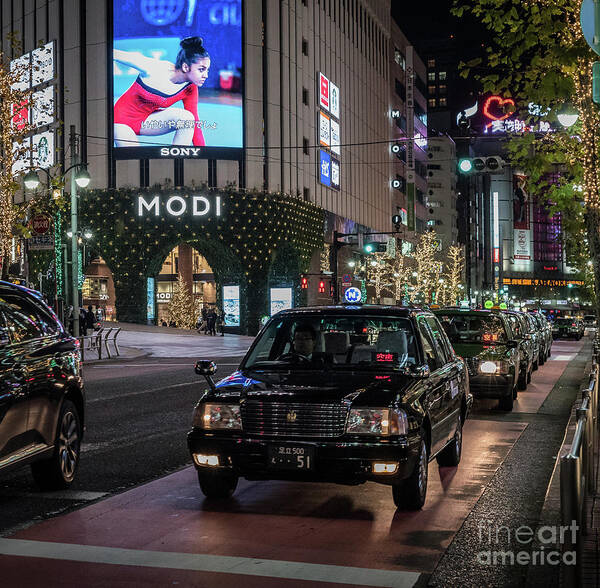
[(136, 341)]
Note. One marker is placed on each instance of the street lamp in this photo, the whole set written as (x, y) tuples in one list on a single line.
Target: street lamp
[(79, 178), (567, 116)]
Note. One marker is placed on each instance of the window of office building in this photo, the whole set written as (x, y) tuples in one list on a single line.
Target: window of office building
[(442, 88), (431, 76), (432, 103), (399, 58), (443, 102), (547, 235), (442, 76), (431, 63), (431, 89)]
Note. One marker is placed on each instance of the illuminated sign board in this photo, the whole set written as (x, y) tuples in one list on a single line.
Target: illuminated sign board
[(324, 168), (43, 106), (536, 282), (281, 299), (335, 137), (334, 100), (323, 92), (43, 152), (177, 79), (324, 130), (150, 306), (231, 305), (335, 174), (178, 205), (499, 115)]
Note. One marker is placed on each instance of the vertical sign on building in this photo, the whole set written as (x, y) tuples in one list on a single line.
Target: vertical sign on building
[(410, 132), (150, 308), (496, 240), (323, 92), (328, 133), (521, 231)]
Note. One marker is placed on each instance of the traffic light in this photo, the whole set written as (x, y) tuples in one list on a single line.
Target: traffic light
[(331, 290), (492, 164), (375, 247), (304, 282), (321, 287)]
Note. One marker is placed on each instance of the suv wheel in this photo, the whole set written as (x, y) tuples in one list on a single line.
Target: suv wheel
[(506, 402), (58, 472), (450, 455), (409, 494), (217, 484)]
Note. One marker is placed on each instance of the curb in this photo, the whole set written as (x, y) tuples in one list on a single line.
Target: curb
[(131, 353)]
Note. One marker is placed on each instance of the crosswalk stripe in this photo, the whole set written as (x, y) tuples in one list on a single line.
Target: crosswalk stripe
[(245, 566)]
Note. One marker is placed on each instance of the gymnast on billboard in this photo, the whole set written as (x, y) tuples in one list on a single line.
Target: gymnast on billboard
[(146, 107)]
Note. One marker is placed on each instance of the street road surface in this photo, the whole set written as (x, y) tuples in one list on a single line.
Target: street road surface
[(136, 516)]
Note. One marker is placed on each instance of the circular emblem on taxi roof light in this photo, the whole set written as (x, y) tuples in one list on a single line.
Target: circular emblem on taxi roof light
[(352, 295), (488, 367)]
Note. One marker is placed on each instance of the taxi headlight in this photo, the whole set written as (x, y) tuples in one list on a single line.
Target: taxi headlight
[(376, 421), (494, 367), (217, 416)]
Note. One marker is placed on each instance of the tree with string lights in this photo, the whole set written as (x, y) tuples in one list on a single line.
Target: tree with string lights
[(377, 272), (15, 101), (537, 52), (182, 308), (427, 268), (453, 275)]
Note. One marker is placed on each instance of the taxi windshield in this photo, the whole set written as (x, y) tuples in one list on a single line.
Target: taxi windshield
[(486, 329), (312, 342)]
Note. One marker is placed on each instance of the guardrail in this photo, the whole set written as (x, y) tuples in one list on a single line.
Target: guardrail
[(104, 337), (578, 472)]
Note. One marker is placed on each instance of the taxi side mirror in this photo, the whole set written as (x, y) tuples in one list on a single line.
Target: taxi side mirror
[(512, 344), (207, 369)]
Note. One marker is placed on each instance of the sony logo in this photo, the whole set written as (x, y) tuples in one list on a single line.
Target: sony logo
[(180, 151)]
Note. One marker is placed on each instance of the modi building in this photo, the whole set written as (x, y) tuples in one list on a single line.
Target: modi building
[(225, 139)]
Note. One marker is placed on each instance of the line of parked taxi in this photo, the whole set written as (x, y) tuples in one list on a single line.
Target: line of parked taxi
[(502, 348)]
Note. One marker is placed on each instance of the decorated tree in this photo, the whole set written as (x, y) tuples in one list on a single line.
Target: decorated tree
[(453, 275), (399, 273), (377, 268), (427, 268), (15, 98), (537, 52), (182, 309)]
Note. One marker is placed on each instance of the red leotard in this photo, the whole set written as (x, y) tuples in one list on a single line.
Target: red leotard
[(140, 101)]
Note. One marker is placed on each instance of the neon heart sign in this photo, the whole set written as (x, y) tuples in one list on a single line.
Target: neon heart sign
[(500, 102)]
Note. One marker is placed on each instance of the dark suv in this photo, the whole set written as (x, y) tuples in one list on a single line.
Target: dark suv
[(335, 394), (483, 338), (41, 397)]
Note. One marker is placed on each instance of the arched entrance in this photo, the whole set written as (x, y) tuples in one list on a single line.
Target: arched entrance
[(193, 267)]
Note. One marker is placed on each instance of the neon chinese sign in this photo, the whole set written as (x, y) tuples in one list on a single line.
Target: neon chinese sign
[(500, 121)]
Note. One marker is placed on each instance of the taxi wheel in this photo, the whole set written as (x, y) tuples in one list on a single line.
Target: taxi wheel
[(543, 359), (410, 494), (506, 402), (522, 382), (529, 374), (58, 472), (515, 393), (217, 485), (450, 456), (535, 366)]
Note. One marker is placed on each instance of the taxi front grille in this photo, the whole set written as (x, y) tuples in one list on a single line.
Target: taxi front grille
[(472, 365), (285, 419)]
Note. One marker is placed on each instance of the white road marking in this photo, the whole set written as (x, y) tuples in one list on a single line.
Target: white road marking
[(287, 570), (140, 392), (562, 357), (66, 495)]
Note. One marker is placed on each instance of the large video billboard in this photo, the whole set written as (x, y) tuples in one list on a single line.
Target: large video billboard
[(177, 79)]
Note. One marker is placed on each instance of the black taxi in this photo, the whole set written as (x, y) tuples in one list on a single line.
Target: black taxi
[(335, 394), (483, 338)]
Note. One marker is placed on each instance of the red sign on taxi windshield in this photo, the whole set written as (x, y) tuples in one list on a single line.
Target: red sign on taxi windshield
[(488, 337)]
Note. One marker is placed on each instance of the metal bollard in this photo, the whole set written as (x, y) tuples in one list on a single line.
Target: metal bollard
[(570, 503)]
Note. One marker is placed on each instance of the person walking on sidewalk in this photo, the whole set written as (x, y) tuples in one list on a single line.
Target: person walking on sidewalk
[(221, 321), (211, 319), (204, 314)]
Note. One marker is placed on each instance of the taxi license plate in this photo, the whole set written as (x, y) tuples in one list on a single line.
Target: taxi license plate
[(291, 457)]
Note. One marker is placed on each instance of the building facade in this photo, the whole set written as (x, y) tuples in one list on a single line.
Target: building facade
[(311, 89)]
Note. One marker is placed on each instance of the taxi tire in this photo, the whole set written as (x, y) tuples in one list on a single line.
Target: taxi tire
[(217, 485), (58, 471), (451, 454), (515, 393), (507, 402), (522, 382), (529, 374), (410, 493)]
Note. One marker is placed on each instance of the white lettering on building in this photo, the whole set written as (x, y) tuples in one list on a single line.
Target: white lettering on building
[(147, 205), (178, 205)]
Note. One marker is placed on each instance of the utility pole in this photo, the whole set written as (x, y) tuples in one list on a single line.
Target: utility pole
[(74, 244)]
